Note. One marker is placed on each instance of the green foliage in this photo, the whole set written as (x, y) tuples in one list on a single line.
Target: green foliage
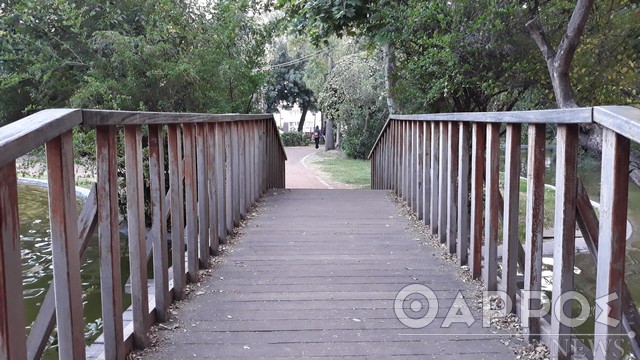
[(353, 98), (286, 86), (294, 138), (167, 55)]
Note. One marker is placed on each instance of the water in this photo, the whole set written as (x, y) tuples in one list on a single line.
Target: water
[(37, 268), (589, 169)]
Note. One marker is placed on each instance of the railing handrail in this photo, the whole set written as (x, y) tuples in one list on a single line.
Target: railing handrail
[(20, 137), (24, 135), (622, 119)]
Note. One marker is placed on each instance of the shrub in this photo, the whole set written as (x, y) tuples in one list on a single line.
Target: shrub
[(294, 138)]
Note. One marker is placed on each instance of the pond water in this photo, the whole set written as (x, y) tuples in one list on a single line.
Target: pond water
[(37, 268), (589, 170)]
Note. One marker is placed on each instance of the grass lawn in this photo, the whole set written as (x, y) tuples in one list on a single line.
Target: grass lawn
[(347, 171)]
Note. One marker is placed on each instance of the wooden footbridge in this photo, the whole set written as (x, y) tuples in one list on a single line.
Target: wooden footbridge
[(316, 273)]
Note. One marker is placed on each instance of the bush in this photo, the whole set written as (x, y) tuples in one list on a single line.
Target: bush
[(294, 138)]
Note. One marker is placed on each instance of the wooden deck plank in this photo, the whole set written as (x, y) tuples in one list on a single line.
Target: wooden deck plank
[(292, 289)]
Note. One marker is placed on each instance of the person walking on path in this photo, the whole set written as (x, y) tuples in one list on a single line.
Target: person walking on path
[(316, 136)]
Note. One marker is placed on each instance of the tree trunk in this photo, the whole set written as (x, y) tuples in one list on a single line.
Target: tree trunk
[(389, 55), (328, 136), (302, 118), (559, 66)]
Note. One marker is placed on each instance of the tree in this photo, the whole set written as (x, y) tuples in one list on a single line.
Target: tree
[(352, 98), (559, 61), (286, 86), (374, 19), (166, 55), (611, 48)]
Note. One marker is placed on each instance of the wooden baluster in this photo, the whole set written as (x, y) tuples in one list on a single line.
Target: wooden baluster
[(252, 164), (463, 193), (396, 156), (220, 173), (202, 183), (191, 205), (12, 335), (228, 181), (420, 170), (214, 240), (612, 243), (442, 182), (426, 182), (477, 180), (177, 213), (242, 169), (452, 187), (263, 155), (412, 166), (64, 244), (510, 240), (564, 233), (402, 153), (109, 238), (534, 226), (435, 187), (158, 225), (235, 173), (137, 234), (491, 214)]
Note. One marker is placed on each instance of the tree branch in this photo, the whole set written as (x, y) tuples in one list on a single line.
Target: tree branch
[(540, 37), (571, 38)]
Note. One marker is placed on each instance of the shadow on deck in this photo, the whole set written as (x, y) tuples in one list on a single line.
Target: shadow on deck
[(316, 274)]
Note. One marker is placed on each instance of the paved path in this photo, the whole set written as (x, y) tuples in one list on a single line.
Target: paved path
[(301, 174), (314, 276)]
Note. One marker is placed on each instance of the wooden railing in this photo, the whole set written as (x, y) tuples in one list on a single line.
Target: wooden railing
[(446, 166), (218, 166)]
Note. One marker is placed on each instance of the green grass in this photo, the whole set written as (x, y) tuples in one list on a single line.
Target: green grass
[(347, 171)]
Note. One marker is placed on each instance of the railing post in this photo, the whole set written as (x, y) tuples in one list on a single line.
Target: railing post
[(452, 187), (411, 169), (159, 223), (242, 169), (211, 142), (64, 244), (109, 238), (534, 228), (220, 174), (510, 240), (137, 234), (463, 193), (612, 243), (235, 174), (191, 201), (420, 170), (564, 236), (12, 335), (202, 181), (228, 181), (442, 182), (477, 181), (435, 141), (491, 214), (396, 158), (177, 213), (426, 176)]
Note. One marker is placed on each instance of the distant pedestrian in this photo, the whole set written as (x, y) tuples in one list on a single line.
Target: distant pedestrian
[(316, 136)]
